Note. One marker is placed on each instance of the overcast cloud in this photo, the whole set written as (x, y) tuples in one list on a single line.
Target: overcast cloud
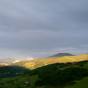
[(41, 27)]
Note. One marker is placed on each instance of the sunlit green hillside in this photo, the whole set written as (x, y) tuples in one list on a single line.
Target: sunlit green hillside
[(58, 75), (32, 64)]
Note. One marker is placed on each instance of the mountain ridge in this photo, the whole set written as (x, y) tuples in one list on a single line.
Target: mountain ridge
[(61, 55)]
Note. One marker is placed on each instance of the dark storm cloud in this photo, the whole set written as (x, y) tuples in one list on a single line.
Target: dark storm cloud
[(34, 26)]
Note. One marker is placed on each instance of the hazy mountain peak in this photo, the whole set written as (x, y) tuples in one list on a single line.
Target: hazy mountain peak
[(62, 54)]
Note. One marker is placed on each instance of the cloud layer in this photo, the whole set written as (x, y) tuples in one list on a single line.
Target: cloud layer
[(31, 27)]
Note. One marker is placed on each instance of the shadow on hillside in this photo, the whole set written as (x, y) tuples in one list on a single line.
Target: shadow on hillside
[(60, 75), (55, 75), (12, 71)]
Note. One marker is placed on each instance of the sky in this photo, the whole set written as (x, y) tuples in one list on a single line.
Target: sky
[(43, 27)]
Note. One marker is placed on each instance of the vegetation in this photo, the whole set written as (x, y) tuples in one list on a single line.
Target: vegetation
[(59, 75)]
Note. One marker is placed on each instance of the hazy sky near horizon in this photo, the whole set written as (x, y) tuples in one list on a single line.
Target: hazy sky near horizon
[(42, 27)]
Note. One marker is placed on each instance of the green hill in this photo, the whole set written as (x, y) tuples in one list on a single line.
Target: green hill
[(58, 75)]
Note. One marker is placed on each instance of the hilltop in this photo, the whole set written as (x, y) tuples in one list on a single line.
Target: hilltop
[(62, 54)]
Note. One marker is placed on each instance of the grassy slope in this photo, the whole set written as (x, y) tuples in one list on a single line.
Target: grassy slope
[(20, 82), (82, 83), (15, 82), (28, 81)]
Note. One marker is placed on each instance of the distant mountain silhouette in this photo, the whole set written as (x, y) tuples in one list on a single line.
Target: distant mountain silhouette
[(62, 54)]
